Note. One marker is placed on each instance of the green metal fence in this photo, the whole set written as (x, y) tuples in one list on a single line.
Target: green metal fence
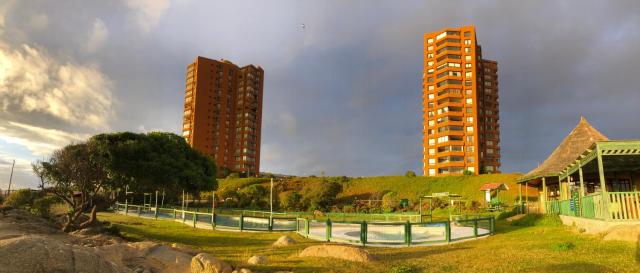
[(374, 233), (395, 233)]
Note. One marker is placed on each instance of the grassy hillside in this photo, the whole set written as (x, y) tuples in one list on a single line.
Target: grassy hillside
[(406, 187)]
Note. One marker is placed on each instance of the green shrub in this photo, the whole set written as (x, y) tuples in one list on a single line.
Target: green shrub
[(508, 213), (467, 172), (410, 174), (233, 175), (564, 246), (19, 199), (290, 200), (348, 209), (404, 269), (42, 206), (390, 201)]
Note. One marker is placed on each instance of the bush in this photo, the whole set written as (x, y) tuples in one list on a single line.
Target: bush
[(467, 172), (19, 199), (348, 209), (233, 175), (390, 202), (564, 246), (404, 269), (290, 200), (506, 214), (42, 206), (320, 195), (410, 174)]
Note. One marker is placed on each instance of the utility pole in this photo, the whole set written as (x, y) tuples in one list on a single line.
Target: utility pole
[(271, 198), (11, 177)]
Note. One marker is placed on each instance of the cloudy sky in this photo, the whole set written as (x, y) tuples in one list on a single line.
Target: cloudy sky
[(342, 96)]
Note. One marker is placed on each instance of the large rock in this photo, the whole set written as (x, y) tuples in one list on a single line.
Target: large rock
[(257, 260), (348, 253), (37, 253), (623, 233), (284, 241), (205, 263), (242, 270), (147, 256)]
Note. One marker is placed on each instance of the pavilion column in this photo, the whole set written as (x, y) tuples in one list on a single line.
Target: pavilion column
[(526, 196), (544, 194), (520, 197), (582, 192), (603, 184)]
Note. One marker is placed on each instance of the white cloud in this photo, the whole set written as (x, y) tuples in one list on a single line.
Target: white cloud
[(38, 140), (148, 12), (97, 36), (32, 81)]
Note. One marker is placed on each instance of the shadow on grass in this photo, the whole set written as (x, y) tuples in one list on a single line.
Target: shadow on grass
[(575, 267), (413, 253)]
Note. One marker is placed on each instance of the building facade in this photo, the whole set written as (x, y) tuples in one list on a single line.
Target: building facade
[(460, 105), (223, 113)]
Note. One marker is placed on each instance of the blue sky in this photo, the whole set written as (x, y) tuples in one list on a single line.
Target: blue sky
[(342, 96)]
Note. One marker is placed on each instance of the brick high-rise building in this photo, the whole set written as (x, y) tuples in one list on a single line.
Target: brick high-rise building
[(460, 105), (223, 113)]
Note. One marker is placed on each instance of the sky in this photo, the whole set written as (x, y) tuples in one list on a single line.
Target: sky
[(342, 96)]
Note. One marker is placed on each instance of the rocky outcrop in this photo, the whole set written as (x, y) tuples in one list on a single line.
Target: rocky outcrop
[(348, 253), (205, 263), (284, 241), (38, 253)]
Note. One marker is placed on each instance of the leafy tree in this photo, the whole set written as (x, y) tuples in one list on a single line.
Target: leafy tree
[(410, 174), (78, 173), (19, 199), (254, 196)]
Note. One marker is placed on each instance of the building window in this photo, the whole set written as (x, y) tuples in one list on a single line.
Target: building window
[(430, 55), (468, 92), (469, 101), (470, 159), (432, 172), (467, 42), (430, 63), (430, 48), (432, 142), (432, 161), (468, 74), (471, 169), (431, 87), (432, 151), (469, 110), (430, 41), (470, 149), (489, 151), (467, 49), (467, 34), (470, 129), (467, 58), (469, 119), (468, 65)]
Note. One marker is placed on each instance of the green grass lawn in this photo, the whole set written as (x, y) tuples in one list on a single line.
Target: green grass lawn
[(541, 248)]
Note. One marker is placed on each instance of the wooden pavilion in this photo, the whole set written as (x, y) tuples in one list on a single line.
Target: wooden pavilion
[(589, 176)]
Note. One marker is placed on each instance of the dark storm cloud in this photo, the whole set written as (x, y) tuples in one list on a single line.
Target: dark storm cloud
[(343, 95)]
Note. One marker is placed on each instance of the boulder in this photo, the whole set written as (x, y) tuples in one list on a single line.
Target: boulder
[(185, 248), (629, 233), (36, 253), (147, 256), (205, 263), (349, 253), (257, 260), (284, 241), (242, 270)]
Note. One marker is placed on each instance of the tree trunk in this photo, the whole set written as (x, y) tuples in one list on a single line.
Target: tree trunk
[(92, 219)]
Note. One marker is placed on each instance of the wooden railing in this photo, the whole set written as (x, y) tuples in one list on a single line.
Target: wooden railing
[(624, 205)]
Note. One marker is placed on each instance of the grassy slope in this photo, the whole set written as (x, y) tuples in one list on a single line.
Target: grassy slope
[(513, 249), (407, 187)]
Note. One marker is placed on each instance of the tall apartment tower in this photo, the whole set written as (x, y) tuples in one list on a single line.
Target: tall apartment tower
[(223, 113), (460, 105)]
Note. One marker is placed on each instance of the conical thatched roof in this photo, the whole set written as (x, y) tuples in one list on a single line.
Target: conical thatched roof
[(581, 138)]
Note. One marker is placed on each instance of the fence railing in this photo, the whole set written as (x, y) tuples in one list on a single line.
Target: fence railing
[(623, 205), (617, 206), (352, 232), (395, 233), (211, 220)]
